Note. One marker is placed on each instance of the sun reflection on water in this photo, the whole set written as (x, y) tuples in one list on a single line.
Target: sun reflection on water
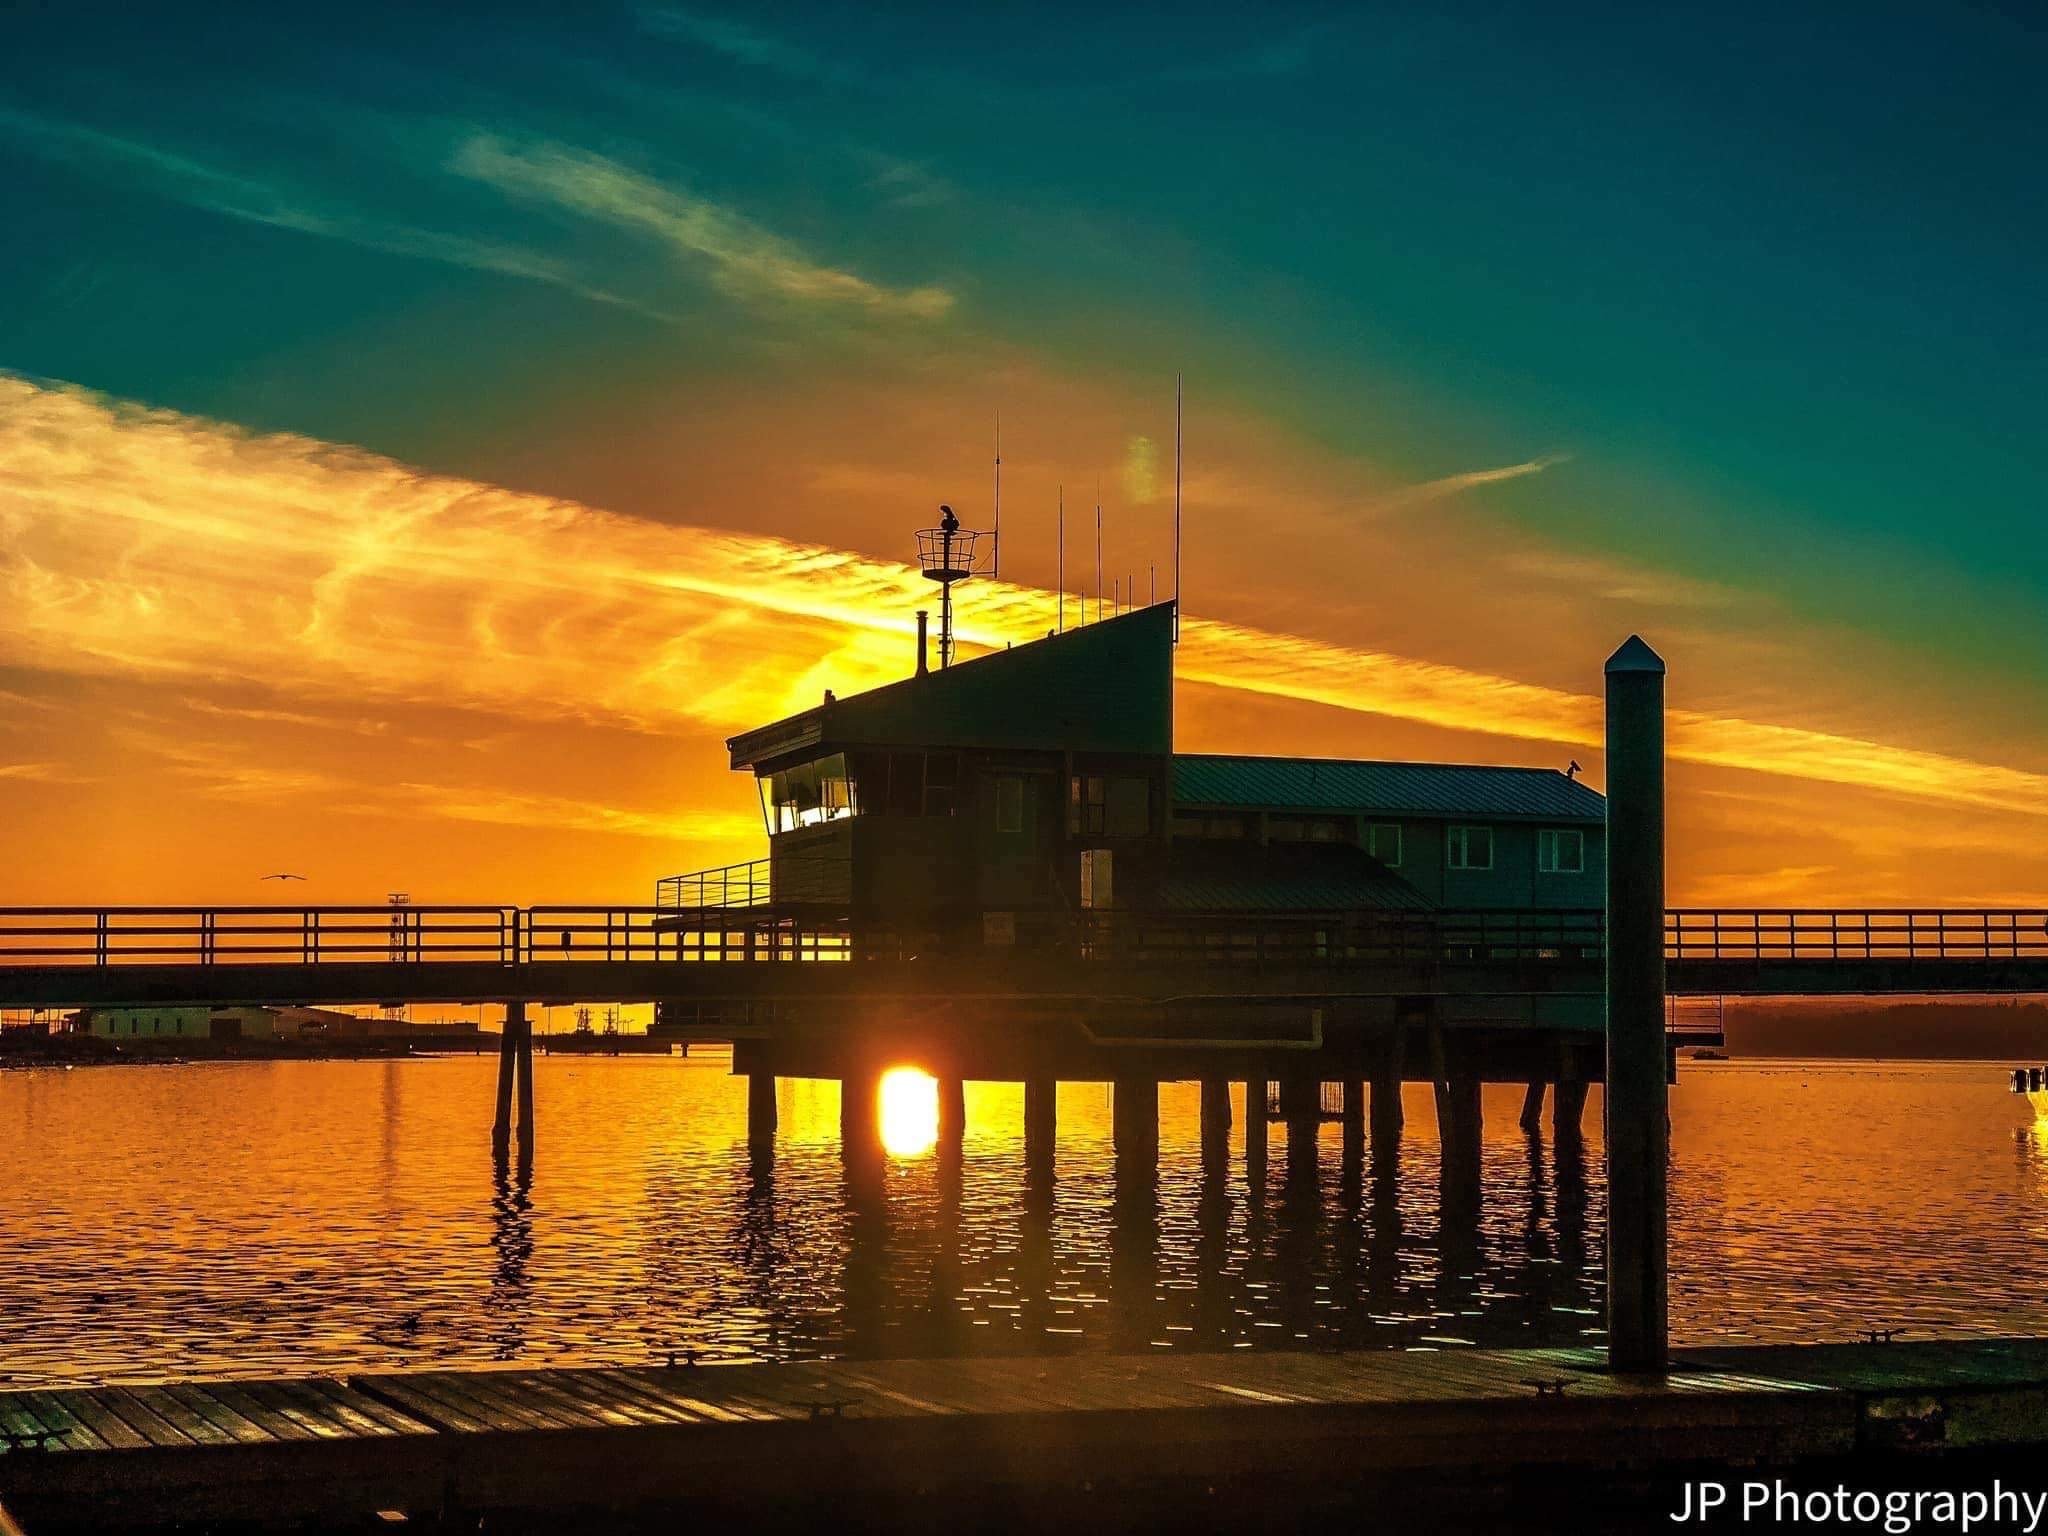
[(910, 1112)]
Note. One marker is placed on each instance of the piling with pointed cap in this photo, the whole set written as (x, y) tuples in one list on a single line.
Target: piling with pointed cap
[(1638, 1135)]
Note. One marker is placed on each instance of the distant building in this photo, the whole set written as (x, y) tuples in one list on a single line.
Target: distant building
[(276, 1022)]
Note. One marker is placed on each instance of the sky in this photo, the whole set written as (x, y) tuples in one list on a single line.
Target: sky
[(425, 437)]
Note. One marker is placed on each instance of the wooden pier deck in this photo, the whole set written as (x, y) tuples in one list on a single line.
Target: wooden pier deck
[(932, 1434)]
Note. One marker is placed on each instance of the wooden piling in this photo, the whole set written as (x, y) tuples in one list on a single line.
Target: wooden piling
[(508, 1051), (1638, 1134), (860, 1127), (1041, 1122), (1215, 1120), (761, 1109), (1567, 1110), (1532, 1108), (1134, 1116), (524, 1061), (951, 1113), (1387, 1114), (1255, 1128)]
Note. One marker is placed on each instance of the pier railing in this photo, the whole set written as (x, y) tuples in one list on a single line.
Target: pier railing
[(1875, 933), (735, 931)]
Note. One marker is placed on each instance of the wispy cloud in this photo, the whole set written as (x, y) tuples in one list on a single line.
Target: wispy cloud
[(741, 257), (745, 45), (1467, 480), (148, 544), (232, 194)]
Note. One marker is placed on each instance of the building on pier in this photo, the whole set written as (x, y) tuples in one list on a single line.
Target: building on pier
[(1032, 793)]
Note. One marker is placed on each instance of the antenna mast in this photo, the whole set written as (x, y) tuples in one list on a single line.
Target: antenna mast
[(947, 555), (1098, 549), (1176, 509), (1063, 560), (996, 560)]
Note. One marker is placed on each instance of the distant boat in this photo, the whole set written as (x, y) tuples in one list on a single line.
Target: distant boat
[(1708, 1053), (2033, 1083)]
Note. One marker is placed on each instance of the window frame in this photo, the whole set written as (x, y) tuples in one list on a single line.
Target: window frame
[(1009, 797), (1550, 841), (1458, 847)]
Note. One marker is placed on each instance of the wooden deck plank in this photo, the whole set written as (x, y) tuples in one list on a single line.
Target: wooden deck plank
[(681, 1387), (430, 1409), (235, 1395), (199, 1430), (118, 1433), (46, 1411), (549, 1391), (600, 1390), (366, 1413), (295, 1401), (485, 1401), (240, 1429), (141, 1415), (633, 1388)]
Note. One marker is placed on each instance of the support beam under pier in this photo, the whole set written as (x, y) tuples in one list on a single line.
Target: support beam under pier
[(1215, 1121)]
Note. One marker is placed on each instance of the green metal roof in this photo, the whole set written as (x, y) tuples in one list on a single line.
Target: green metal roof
[(1393, 789), (1282, 877), (1105, 687)]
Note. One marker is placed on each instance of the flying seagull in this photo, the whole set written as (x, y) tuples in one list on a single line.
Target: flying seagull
[(284, 877)]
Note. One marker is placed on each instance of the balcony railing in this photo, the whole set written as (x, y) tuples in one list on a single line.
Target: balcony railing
[(730, 885), (1886, 934)]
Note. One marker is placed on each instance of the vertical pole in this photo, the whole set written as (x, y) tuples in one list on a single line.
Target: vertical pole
[(508, 1049), (952, 1113), (1532, 1107), (1134, 1117), (1354, 1119), (860, 1132), (1041, 1122), (1638, 1134), (524, 1061), (1387, 1115), (1215, 1121), (1255, 1127), (761, 1109)]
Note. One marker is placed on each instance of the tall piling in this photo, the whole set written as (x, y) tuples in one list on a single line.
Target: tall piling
[(524, 1060), (1256, 1128), (1134, 1118), (508, 1056), (1637, 1098), (1215, 1121), (761, 1109), (1041, 1124), (952, 1114)]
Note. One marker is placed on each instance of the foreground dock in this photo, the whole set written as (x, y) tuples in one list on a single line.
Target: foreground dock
[(1123, 1438)]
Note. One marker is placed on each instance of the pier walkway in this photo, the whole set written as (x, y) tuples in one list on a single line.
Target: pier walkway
[(110, 956), (971, 1431)]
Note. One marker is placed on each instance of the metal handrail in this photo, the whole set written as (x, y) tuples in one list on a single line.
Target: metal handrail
[(1865, 933)]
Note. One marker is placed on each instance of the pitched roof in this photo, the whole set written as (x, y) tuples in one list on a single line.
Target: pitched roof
[(1105, 687), (1400, 789), (1286, 877)]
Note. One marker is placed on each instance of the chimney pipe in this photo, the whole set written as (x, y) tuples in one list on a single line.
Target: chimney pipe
[(922, 665)]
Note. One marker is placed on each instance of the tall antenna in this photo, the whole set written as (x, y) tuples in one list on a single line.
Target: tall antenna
[(1098, 549), (1154, 598), (1176, 509), (996, 560), (1063, 559)]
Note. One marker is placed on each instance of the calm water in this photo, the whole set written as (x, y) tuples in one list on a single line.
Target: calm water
[(257, 1218)]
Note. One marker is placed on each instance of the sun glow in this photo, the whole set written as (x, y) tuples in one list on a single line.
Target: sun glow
[(910, 1112)]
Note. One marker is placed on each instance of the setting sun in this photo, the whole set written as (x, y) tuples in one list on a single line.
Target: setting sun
[(910, 1112)]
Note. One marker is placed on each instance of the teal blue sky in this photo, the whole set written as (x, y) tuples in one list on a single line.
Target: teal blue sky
[(1759, 286)]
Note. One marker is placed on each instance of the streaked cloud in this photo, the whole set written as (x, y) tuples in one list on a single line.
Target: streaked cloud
[(739, 255), (147, 544), (255, 200), (1467, 480)]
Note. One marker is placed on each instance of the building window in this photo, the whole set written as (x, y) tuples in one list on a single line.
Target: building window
[(1469, 847), (941, 780), (1009, 804), (807, 794), (1561, 851), (1383, 842), (1098, 806)]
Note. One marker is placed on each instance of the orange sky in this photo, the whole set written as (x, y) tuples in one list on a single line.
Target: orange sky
[(224, 654)]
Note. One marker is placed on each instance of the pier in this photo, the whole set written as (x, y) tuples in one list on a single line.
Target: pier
[(1520, 1437)]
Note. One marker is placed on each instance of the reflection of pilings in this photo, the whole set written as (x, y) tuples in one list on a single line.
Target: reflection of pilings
[(1215, 1122), (761, 1112), (1134, 1228), (1041, 1125)]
